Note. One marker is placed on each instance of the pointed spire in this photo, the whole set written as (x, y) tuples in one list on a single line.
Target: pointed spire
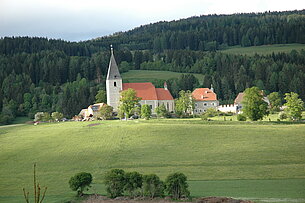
[(113, 70), (212, 89), (165, 85)]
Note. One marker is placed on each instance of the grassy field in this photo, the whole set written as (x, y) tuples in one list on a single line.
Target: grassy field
[(150, 76), (261, 161), (265, 49)]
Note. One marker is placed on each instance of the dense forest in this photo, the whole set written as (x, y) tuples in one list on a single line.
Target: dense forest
[(40, 74)]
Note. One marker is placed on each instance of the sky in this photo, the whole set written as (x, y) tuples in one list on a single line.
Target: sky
[(78, 20)]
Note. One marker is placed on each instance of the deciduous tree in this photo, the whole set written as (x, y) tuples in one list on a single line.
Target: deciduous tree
[(254, 107), (295, 105), (128, 102), (80, 181)]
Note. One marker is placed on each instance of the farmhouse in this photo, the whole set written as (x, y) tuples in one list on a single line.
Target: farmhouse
[(204, 98), (148, 93), (91, 111)]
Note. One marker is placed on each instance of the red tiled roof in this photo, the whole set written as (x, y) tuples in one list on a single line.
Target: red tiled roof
[(164, 94), (204, 94), (147, 91), (239, 98)]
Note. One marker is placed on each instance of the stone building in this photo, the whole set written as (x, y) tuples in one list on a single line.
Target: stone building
[(148, 93), (204, 98)]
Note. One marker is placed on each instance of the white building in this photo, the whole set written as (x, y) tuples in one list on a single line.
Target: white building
[(204, 98)]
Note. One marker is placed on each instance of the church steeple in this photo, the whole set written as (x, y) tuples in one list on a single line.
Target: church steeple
[(113, 70), (113, 83)]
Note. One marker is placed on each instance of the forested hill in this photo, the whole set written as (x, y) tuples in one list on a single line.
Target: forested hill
[(39, 74), (214, 32)]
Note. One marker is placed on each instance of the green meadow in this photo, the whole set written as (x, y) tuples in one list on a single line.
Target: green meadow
[(150, 76), (262, 161), (264, 49)]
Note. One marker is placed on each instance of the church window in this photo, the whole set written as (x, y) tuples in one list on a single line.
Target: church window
[(167, 106), (114, 84), (150, 106)]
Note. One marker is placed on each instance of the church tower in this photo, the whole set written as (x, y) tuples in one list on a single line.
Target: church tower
[(113, 83)]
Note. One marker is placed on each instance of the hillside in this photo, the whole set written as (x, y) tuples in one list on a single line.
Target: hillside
[(39, 74), (212, 32), (244, 160)]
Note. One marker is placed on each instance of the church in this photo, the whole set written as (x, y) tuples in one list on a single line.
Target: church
[(148, 93)]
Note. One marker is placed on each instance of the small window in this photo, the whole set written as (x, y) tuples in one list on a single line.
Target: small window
[(205, 104), (196, 105), (114, 84), (167, 106), (150, 106)]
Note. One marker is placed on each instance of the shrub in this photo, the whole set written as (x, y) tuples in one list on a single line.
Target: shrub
[(133, 181), (145, 111), (211, 112), (56, 116), (177, 186), (204, 117), (241, 117), (283, 115), (115, 181), (161, 111), (80, 181), (42, 116), (153, 186), (106, 112)]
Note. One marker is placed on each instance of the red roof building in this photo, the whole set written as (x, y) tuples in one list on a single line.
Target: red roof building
[(204, 98)]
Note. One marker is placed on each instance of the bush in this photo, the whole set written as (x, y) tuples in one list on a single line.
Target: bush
[(145, 111), (133, 181), (177, 186), (42, 116), (283, 115), (80, 181), (115, 182), (204, 117), (106, 112), (153, 186), (56, 116), (211, 112), (241, 117)]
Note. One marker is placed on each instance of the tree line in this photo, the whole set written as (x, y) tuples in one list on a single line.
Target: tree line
[(119, 183)]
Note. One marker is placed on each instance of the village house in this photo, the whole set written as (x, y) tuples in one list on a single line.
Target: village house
[(148, 93), (204, 98), (91, 111), (237, 106)]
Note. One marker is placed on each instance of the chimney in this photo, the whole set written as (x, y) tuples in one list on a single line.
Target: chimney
[(165, 86)]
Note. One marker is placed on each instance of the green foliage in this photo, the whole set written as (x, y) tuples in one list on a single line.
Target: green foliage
[(133, 182), (184, 105), (275, 101), (42, 116), (145, 111), (254, 107), (80, 181), (114, 181), (101, 97), (295, 105), (57, 116), (161, 111), (128, 102), (211, 112), (283, 115), (176, 185), (106, 112), (241, 117), (153, 186)]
